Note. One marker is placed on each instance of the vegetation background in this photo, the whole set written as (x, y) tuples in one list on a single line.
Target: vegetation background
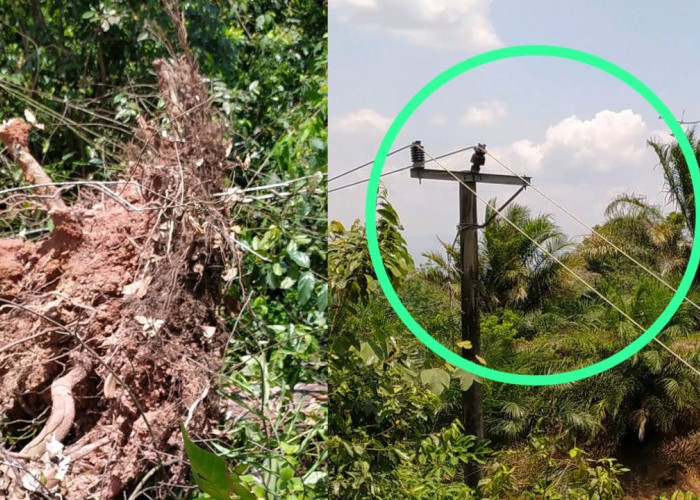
[(631, 432), (84, 69)]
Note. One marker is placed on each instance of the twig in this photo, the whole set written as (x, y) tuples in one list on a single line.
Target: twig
[(193, 407), (87, 449), (9, 346), (246, 248), (233, 330), (97, 185), (144, 479)]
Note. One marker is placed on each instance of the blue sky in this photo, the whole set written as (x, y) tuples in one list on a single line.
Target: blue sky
[(578, 132)]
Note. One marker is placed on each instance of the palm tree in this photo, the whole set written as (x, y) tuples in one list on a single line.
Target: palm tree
[(652, 392), (515, 271), (642, 231), (442, 269), (677, 176)]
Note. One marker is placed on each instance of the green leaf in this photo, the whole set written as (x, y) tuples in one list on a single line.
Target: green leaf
[(322, 300), (466, 379), (287, 283), (465, 344), (305, 287), (367, 354), (302, 239), (300, 258), (436, 379), (314, 477), (289, 448), (318, 144), (211, 472), (260, 22), (286, 473), (335, 227)]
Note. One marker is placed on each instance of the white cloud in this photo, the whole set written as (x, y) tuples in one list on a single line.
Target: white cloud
[(445, 24), (364, 120), (523, 156), (529, 154), (610, 139), (484, 113)]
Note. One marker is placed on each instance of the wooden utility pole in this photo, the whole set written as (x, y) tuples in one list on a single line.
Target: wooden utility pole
[(472, 411), (472, 399)]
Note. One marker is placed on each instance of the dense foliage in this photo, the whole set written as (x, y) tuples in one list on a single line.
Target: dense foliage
[(84, 68), (395, 407)]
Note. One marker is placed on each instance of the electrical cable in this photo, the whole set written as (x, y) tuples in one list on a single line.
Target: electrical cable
[(362, 181), (331, 179)]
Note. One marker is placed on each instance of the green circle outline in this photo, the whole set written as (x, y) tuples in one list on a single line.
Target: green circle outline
[(371, 219)]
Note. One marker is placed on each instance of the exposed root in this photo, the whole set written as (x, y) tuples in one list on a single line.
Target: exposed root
[(115, 314), (15, 135), (62, 412)]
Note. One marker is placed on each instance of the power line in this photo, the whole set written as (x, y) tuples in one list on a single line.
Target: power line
[(397, 170), (450, 153), (367, 180), (593, 231), (556, 259), (366, 164)]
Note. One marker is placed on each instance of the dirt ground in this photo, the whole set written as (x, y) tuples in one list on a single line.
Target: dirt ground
[(662, 467)]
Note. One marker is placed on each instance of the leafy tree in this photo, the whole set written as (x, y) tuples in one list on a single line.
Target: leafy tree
[(550, 474), (382, 388), (349, 266)]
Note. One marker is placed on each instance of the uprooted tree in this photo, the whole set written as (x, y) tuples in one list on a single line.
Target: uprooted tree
[(110, 326)]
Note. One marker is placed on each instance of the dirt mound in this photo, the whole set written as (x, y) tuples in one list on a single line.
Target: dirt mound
[(109, 328)]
